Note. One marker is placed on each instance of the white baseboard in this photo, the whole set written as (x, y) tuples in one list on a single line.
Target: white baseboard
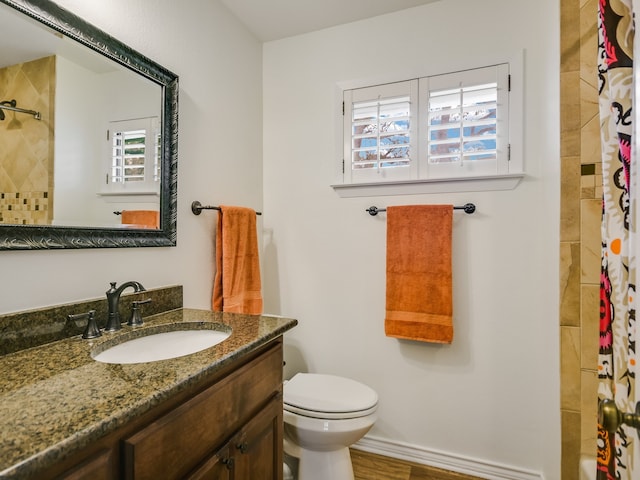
[(446, 461)]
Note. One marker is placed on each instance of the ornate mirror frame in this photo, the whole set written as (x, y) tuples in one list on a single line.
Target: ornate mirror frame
[(37, 237)]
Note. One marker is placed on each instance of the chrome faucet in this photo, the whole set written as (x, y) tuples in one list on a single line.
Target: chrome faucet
[(113, 301)]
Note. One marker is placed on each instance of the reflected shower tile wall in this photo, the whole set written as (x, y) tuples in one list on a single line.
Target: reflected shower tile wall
[(27, 144), (25, 208)]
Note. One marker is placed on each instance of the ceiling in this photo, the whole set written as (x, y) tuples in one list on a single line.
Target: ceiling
[(30, 39), (275, 19)]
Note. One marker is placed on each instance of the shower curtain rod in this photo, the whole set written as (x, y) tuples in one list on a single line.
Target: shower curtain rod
[(467, 207), (197, 207), (10, 105)]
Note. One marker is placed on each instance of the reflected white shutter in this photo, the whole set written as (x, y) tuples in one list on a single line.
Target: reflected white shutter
[(134, 156)]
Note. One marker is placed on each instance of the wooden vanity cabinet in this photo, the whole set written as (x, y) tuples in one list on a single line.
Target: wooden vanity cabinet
[(258, 446), (230, 429), (95, 467), (253, 453), (218, 467)]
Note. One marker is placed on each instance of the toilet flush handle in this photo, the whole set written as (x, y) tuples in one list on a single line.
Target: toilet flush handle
[(611, 418)]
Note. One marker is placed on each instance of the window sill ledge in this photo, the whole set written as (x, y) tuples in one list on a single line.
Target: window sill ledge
[(440, 185), (129, 197), (127, 194)]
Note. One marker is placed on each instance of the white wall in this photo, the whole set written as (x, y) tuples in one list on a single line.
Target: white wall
[(492, 397), (220, 88), (78, 144)]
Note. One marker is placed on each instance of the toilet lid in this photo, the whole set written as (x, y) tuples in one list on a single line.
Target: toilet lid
[(328, 393)]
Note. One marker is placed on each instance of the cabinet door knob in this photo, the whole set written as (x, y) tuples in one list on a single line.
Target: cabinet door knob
[(243, 447), (228, 462)]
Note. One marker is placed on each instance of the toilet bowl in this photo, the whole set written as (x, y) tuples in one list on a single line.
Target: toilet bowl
[(323, 416)]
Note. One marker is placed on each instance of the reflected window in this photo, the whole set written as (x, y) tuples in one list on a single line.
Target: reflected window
[(134, 156)]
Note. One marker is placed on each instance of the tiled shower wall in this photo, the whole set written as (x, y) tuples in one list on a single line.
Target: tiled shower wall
[(581, 205), (26, 144)]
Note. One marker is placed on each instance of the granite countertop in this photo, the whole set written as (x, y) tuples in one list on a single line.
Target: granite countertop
[(55, 399)]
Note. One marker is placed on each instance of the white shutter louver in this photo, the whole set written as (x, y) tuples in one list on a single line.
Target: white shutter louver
[(380, 125)]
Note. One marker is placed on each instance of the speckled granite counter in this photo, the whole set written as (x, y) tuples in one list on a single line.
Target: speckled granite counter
[(55, 399)]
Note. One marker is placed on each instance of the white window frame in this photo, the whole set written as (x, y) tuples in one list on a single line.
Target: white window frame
[(150, 185), (425, 177)]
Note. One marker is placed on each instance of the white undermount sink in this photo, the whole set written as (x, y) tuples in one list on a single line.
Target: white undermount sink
[(161, 346)]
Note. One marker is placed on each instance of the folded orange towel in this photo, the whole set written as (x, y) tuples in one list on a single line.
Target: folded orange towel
[(236, 285), (419, 286), (141, 218)]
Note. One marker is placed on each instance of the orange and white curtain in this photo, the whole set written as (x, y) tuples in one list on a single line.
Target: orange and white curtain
[(618, 455)]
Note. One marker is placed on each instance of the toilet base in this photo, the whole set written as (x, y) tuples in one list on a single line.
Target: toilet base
[(335, 465)]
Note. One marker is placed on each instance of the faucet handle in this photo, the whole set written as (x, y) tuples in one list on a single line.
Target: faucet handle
[(112, 288), (136, 316), (92, 330)]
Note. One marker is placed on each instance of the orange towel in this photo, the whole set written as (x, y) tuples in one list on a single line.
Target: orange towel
[(236, 285), (141, 218), (419, 286)]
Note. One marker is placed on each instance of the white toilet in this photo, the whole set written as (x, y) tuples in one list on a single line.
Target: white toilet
[(323, 416)]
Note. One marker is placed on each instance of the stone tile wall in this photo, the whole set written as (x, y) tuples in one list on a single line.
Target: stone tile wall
[(581, 205)]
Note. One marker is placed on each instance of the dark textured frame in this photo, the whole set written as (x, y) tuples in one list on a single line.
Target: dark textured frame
[(34, 237)]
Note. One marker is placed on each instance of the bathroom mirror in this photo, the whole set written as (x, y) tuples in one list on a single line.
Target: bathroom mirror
[(126, 78)]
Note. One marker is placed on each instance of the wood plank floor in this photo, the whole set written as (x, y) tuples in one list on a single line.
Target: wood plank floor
[(367, 466)]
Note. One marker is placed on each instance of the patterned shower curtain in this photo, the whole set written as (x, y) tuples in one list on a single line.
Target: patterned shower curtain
[(616, 362)]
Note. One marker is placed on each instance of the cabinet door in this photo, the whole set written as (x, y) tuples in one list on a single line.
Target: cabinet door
[(218, 467), (179, 441), (258, 445), (96, 467)]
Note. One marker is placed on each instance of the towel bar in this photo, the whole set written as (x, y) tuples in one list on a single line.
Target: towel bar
[(467, 207), (197, 207)]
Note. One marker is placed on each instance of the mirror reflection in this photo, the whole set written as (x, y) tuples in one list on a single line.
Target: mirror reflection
[(80, 134)]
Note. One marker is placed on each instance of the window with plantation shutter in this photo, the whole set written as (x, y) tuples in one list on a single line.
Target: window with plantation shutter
[(461, 125), (465, 127), (380, 125), (133, 160), (381, 133), (441, 127)]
